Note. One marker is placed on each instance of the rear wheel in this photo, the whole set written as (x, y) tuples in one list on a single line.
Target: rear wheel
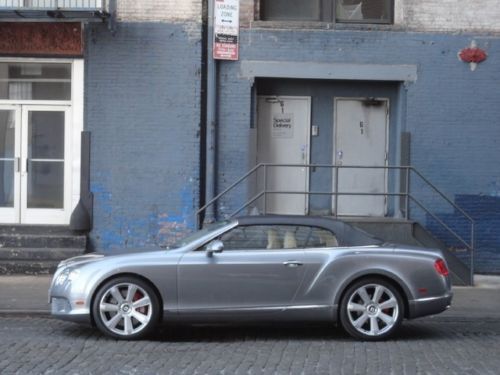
[(371, 309), (126, 308)]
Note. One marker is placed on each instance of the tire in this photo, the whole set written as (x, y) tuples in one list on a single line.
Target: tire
[(126, 308), (371, 309)]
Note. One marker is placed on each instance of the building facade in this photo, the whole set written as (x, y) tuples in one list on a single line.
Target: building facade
[(320, 86), (373, 83), (128, 75)]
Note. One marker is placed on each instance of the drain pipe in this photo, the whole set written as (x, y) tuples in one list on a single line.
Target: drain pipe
[(211, 145)]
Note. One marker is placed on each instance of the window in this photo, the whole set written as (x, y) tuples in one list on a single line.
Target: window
[(354, 11), (262, 237), (35, 81)]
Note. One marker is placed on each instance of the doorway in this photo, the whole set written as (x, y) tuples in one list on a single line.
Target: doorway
[(361, 139), (283, 137), (35, 178)]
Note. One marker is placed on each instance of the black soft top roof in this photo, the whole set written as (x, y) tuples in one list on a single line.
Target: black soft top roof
[(346, 234)]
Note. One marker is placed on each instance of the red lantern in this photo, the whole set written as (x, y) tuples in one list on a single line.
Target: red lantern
[(472, 55)]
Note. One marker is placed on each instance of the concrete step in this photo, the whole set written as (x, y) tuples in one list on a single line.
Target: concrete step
[(37, 249), (38, 254), (27, 267), (25, 240), (36, 229), (33, 261)]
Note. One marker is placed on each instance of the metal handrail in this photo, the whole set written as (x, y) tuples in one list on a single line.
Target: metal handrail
[(335, 194)]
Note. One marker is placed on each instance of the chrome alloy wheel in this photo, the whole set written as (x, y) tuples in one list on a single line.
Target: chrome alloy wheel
[(125, 309), (373, 309)]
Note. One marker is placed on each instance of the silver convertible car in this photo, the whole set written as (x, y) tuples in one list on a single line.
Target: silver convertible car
[(256, 269)]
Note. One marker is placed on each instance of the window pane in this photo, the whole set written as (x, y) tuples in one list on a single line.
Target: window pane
[(375, 11), (7, 133), (306, 10), (46, 184), (46, 135), (321, 238), (250, 237), (7, 183), (34, 81)]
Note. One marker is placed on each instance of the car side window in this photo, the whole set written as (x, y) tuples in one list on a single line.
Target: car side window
[(320, 237), (245, 238), (268, 237)]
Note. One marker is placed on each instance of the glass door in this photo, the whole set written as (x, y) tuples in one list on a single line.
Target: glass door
[(45, 178), (34, 164), (10, 153)]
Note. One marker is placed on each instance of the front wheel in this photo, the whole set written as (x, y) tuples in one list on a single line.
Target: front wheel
[(126, 308), (371, 309)]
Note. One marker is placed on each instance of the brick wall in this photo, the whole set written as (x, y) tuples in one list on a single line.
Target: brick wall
[(142, 106), (159, 10), (449, 15)]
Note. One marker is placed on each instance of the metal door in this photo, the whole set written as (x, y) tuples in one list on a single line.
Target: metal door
[(361, 133), (35, 181), (283, 134)]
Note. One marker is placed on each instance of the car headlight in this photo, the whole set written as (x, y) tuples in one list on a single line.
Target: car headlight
[(67, 275)]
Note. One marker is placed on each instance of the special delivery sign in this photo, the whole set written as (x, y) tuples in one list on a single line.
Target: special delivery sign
[(226, 29)]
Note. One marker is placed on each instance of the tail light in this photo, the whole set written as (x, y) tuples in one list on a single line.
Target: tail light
[(440, 267)]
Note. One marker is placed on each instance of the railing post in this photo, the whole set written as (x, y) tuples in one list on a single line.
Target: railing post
[(472, 247), (265, 189), (407, 195), (336, 191)]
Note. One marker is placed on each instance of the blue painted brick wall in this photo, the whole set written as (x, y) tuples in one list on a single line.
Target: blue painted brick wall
[(452, 112), (142, 105)]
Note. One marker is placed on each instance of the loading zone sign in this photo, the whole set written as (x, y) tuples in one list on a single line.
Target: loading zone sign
[(282, 125), (226, 29)]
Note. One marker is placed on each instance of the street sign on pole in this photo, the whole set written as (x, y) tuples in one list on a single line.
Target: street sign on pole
[(226, 29)]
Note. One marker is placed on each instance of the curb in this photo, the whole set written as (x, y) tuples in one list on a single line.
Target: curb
[(25, 312)]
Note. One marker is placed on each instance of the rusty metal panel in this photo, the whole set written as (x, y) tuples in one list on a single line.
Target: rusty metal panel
[(41, 39)]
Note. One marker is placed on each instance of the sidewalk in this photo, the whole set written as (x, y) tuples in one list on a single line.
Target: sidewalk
[(29, 295)]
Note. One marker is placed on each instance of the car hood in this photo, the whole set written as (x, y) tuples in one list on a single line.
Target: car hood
[(94, 257), (81, 259)]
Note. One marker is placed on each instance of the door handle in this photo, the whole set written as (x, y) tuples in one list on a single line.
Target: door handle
[(17, 162), (292, 263)]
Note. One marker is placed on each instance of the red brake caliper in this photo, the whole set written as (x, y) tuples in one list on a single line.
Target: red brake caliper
[(137, 297)]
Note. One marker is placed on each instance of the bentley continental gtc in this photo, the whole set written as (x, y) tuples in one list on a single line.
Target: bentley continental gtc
[(256, 269)]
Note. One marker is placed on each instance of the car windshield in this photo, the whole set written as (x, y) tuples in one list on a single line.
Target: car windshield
[(197, 235)]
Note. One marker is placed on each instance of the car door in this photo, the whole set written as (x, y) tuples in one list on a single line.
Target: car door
[(260, 268)]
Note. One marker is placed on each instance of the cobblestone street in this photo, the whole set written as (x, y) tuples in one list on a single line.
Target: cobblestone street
[(444, 345)]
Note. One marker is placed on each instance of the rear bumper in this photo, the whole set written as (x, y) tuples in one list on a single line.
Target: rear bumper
[(429, 306)]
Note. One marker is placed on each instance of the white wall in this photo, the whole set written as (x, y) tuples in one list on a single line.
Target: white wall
[(159, 10)]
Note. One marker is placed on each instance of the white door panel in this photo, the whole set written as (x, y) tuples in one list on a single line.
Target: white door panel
[(361, 140), (283, 138)]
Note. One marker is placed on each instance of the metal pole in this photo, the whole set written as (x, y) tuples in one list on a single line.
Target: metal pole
[(472, 240), (211, 116), (336, 190), (265, 189), (407, 198)]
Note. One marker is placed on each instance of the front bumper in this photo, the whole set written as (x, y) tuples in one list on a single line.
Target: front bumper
[(61, 308), (68, 302), (429, 306)]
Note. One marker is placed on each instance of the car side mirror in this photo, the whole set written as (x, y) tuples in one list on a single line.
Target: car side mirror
[(215, 246)]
